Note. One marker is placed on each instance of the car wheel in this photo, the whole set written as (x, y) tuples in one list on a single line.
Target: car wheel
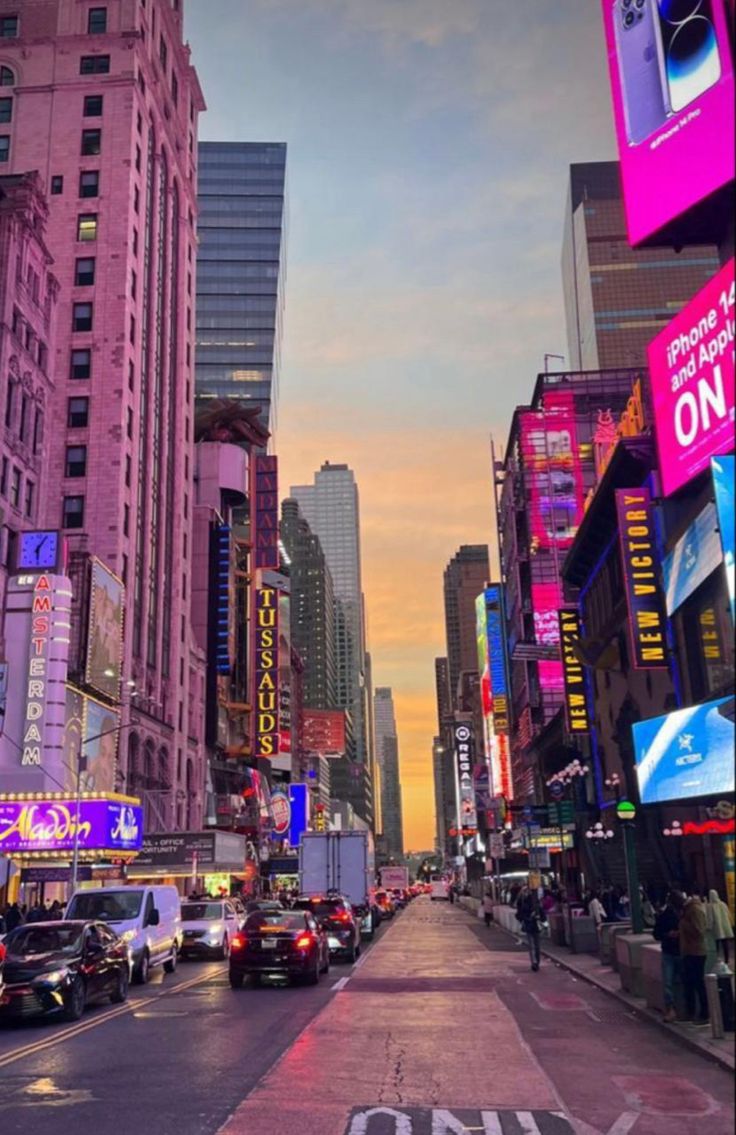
[(357, 951), (75, 1001), (353, 956), (143, 969), (225, 949), (120, 993), (313, 976), (170, 965), (326, 966), (236, 981)]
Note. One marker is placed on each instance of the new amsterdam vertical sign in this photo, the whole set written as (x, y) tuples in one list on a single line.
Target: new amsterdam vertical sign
[(640, 565), (576, 700)]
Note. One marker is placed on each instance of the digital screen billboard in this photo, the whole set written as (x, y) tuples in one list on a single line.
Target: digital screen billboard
[(49, 825), (672, 85), (105, 631), (324, 732), (691, 365), (553, 478), (722, 469), (694, 557), (687, 753)]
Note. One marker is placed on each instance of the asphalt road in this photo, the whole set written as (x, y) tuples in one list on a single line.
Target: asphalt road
[(178, 1057)]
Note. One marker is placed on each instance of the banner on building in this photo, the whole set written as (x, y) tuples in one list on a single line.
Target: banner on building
[(577, 712), (266, 671), (265, 517), (105, 631), (640, 563)]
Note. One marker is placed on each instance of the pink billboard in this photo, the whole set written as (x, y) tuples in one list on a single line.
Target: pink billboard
[(691, 366), (552, 471), (673, 97)]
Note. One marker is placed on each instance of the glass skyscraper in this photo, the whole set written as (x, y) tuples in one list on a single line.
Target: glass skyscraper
[(240, 272)]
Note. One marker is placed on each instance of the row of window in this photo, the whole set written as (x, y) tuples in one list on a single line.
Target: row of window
[(19, 404), (12, 488)]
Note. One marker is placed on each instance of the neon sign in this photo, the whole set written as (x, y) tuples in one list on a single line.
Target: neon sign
[(267, 672), (41, 609)]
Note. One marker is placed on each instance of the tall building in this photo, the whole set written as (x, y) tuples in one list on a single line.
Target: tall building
[(241, 272), (387, 755), (442, 691), (331, 507), (104, 102), (312, 608), (465, 576), (617, 298)]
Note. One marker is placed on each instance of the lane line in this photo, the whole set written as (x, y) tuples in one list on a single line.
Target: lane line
[(340, 984)]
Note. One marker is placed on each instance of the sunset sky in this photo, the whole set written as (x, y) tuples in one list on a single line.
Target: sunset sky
[(428, 145)]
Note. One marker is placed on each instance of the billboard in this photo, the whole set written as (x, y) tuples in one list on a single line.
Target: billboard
[(496, 698), (553, 477), (694, 557), (285, 675), (104, 631), (672, 84), (324, 732), (577, 713), (722, 469), (644, 597), (463, 743), (691, 366), (99, 747), (266, 671), (49, 825), (686, 753), (265, 503)]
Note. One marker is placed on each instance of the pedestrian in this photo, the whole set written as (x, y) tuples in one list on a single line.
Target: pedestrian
[(488, 905), (648, 913), (718, 923), (56, 910), (693, 950), (597, 912), (13, 917), (531, 916), (667, 933)]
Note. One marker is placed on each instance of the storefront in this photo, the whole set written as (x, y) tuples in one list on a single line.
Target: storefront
[(215, 862)]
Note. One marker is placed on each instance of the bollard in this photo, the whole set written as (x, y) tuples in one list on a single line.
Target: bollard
[(714, 1006)]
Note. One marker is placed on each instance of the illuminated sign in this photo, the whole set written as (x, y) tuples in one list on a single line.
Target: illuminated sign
[(51, 825), (686, 753), (696, 554), (722, 469), (266, 672), (265, 500), (221, 614), (641, 580), (104, 659), (281, 812), (576, 697), (463, 739), (607, 432), (324, 732), (41, 610), (497, 661)]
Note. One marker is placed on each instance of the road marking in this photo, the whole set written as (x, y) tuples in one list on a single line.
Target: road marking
[(340, 984), (130, 1007), (383, 1120)]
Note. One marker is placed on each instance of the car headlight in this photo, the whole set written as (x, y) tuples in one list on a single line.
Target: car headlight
[(215, 930), (54, 978), (128, 935)]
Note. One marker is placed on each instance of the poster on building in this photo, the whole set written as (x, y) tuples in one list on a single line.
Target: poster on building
[(266, 670), (577, 712), (722, 469), (640, 564), (73, 731), (104, 631), (99, 747), (265, 518), (324, 733), (691, 367)]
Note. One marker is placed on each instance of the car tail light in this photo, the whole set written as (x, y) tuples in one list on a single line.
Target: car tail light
[(341, 916), (304, 941), (239, 942)]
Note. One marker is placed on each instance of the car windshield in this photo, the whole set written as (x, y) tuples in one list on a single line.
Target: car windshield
[(29, 941), (108, 906), (320, 908), (276, 920), (201, 911)]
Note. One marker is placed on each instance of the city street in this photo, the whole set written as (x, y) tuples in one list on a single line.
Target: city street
[(441, 1024)]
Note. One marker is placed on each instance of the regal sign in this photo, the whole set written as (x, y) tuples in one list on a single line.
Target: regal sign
[(576, 696), (644, 595), (51, 825), (463, 740), (266, 671)]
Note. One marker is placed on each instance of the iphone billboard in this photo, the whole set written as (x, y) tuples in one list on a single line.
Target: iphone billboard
[(672, 82)]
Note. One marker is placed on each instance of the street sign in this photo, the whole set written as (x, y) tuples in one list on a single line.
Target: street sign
[(556, 789), (562, 813), (496, 847)]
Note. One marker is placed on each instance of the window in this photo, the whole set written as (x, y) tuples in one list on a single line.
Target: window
[(92, 106), (136, 199), (129, 423), (76, 461), (128, 470), (135, 242), (82, 317), (9, 404), (6, 110), (84, 272), (23, 424), (91, 142), (81, 364), (163, 52), (87, 226), (131, 334), (43, 356), (97, 21), (138, 158), (30, 495), (4, 468), (73, 512), (4, 147), (7, 78), (57, 184), (37, 430), (89, 183), (8, 27), (174, 88), (78, 413), (15, 481), (131, 375), (126, 519), (94, 65)]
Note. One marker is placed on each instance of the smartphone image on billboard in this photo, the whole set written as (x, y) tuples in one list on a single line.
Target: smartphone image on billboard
[(639, 51), (687, 47)]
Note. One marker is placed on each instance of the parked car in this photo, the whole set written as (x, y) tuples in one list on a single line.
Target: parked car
[(207, 928), (59, 967), (285, 943), (335, 914), (147, 918)]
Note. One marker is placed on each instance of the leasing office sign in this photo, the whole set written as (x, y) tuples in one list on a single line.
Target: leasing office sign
[(640, 564)]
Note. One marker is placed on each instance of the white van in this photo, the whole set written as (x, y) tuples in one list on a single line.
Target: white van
[(148, 918), (439, 888)]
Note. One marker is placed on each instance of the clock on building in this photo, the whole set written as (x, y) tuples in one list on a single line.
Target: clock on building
[(38, 550)]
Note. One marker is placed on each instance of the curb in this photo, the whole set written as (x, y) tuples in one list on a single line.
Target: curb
[(724, 1060)]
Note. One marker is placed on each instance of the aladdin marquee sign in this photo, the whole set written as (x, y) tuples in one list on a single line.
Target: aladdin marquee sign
[(49, 826), (267, 671), (644, 596)]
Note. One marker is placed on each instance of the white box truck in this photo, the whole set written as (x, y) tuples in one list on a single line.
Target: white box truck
[(394, 878), (344, 863)]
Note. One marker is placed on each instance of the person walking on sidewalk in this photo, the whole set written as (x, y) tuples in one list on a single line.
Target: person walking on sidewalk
[(693, 950), (531, 916), (718, 923), (488, 904), (667, 933)]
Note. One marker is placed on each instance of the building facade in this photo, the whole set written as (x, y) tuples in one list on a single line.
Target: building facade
[(387, 758), (617, 298), (465, 576), (241, 266), (105, 107)]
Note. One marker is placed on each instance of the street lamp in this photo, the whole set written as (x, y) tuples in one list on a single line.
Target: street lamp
[(626, 813), (598, 832)]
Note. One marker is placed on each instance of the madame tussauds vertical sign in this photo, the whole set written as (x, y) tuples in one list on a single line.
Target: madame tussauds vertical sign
[(266, 672)]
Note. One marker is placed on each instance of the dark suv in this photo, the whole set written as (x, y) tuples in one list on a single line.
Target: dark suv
[(335, 914)]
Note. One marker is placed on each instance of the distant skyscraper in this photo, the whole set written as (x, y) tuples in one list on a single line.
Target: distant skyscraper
[(387, 754), (442, 691), (240, 271), (618, 298), (465, 577), (331, 508)]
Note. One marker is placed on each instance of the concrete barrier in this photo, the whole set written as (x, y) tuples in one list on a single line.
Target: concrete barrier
[(467, 902), (608, 940), (505, 916), (582, 935), (617, 929), (651, 974), (557, 929), (629, 948)]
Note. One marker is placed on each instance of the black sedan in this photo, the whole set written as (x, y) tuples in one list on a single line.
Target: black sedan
[(276, 943), (335, 915), (58, 967)]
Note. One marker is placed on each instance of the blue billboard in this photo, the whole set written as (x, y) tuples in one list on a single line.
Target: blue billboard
[(686, 753), (722, 469), (696, 554), (298, 799)]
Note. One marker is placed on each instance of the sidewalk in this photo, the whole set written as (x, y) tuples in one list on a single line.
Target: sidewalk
[(587, 967)]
